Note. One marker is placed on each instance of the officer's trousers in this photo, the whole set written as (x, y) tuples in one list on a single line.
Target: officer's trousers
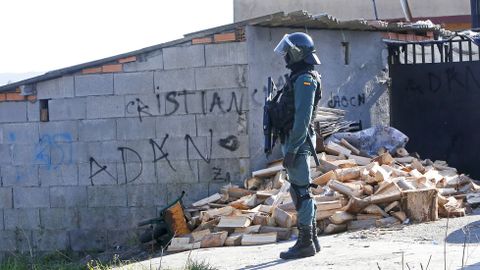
[(299, 176)]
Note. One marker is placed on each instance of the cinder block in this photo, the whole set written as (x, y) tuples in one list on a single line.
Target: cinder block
[(193, 192), (136, 173), (176, 147), (33, 111), (59, 218), (117, 218), (142, 148), (147, 195), (97, 130), (6, 200), (224, 54), (149, 61), (222, 101), (67, 109), (99, 196), (140, 106), (137, 214), (230, 147), (119, 238), (81, 240), (133, 83), (25, 219), (59, 131), (8, 241), (134, 129), (68, 196), (21, 133), (176, 125), (20, 176), (221, 77), (224, 171), (50, 240), (105, 174), (174, 80), (105, 107), (222, 125), (11, 112), (5, 154), (184, 57), (184, 102), (58, 175), (79, 151), (183, 173), (93, 85), (93, 217), (31, 197), (56, 88), (24, 154), (24, 240)]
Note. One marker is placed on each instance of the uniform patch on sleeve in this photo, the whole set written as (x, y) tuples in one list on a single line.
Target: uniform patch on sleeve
[(307, 83)]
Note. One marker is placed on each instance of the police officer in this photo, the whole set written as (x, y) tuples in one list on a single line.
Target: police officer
[(302, 96)]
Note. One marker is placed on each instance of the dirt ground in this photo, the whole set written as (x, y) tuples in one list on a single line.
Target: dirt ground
[(420, 246)]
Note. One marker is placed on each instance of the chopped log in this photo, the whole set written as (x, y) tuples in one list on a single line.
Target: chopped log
[(387, 222), (415, 173), (473, 199), (207, 225), (324, 178), (259, 239), (335, 228), (246, 202), (181, 245), (355, 205), (385, 158), (329, 198), (268, 172), (282, 218), (264, 194), (215, 197), (381, 175), (392, 206), (361, 224), (282, 233), (361, 161), (214, 240), (323, 206), (420, 205), (345, 163), (404, 160), (447, 191), (336, 149), (403, 184), (287, 206), (249, 229), (350, 147), (385, 198), (341, 188), (348, 174), (264, 220), (417, 166), (368, 216), (198, 235), (400, 215), (279, 180), (326, 166), (326, 214), (402, 152), (434, 176), (394, 172), (375, 210), (234, 239), (236, 192), (368, 189), (209, 214), (458, 180), (234, 222), (254, 183), (341, 217)]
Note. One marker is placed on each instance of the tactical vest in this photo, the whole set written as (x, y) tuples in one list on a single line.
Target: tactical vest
[(282, 114)]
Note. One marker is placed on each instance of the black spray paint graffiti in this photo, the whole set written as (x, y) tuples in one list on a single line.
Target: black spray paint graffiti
[(140, 107), (207, 158), (124, 150), (219, 177), (231, 143), (99, 169), (345, 102), (163, 156), (259, 101), (451, 79)]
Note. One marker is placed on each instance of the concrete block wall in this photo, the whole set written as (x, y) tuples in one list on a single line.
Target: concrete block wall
[(121, 142)]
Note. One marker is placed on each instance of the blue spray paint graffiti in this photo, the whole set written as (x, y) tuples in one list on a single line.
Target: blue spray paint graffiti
[(54, 150)]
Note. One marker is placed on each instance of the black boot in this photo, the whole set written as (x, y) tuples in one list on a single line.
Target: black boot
[(314, 236), (304, 246)]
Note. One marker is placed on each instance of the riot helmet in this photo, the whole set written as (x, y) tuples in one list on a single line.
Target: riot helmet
[(297, 47)]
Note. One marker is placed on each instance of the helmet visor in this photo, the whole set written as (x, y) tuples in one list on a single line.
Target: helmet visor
[(285, 45)]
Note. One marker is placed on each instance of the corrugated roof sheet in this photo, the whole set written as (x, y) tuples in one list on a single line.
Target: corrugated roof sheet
[(297, 19)]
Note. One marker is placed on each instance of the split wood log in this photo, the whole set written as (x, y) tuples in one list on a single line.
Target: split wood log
[(387, 222), (215, 197), (345, 163), (458, 180), (368, 189), (361, 224), (368, 216), (207, 225), (447, 191), (375, 210), (323, 206), (420, 205), (264, 220), (404, 160), (348, 174), (400, 215), (402, 152), (268, 172), (341, 188), (236, 192), (282, 233), (326, 166), (249, 229), (254, 183), (335, 228), (403, 184), (392, 206), (259, 239), (473, 199), (282, 218), (246, 202), (415, 173), (395, 172), (341, 217), (324, 178), (198, 235), (214, 240), (384, 159), (209, 214), (234, 239), (336, 149), (350, 147), (327, 213), (361, 161), (234, 222), (182, 244), (417, 166)]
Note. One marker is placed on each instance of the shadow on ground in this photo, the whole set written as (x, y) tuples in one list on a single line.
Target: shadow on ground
[(471, 267), (264, 265), (468, 234)]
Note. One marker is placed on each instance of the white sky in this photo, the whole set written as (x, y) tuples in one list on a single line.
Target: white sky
[(43, 35)]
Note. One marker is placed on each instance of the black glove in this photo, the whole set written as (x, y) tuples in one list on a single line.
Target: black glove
[(289, 160)]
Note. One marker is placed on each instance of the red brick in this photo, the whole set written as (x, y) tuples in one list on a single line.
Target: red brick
[(32, 98), (127, 59), (92, 70), (204, 40), (15, 97), (224, 37), (3, 97), (112, 68)]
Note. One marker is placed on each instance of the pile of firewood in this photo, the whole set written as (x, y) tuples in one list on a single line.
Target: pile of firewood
[(353, 192)]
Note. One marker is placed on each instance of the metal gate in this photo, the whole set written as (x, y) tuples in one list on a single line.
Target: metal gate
[(435, 99)]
